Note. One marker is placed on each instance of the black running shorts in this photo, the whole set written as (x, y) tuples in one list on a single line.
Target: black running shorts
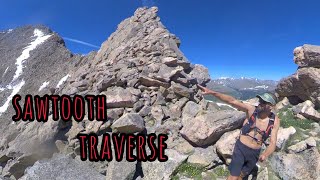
[(244, 159)]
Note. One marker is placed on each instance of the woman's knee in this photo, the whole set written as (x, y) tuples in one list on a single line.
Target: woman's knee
[(233, 177)]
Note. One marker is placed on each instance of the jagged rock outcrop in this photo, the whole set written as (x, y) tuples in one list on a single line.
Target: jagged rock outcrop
[(305, 83), (302, 89)]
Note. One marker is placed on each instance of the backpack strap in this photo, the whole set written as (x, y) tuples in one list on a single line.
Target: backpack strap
[(253, 117), (271, 123), (269, 128), (267, 132)]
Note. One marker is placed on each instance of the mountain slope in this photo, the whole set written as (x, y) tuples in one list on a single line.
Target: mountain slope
[(241, 88)]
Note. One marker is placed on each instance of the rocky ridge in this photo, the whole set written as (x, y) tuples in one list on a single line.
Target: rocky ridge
[(150, 87)]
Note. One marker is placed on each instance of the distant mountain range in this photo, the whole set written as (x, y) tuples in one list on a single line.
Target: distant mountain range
[(241, 88)]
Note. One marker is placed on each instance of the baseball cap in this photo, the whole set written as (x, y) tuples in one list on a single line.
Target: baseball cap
[(268, 98)]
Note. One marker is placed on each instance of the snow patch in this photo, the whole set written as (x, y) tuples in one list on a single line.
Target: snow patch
[(257, 87), (10, 30), (62, 80), (263, 87), (40, 38), (5, 71), (16, 86), (15, 89), (223, 77), (45, 84), (222, 104)]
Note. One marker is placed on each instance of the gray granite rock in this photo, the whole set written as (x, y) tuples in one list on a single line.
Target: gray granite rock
[(61, 167)]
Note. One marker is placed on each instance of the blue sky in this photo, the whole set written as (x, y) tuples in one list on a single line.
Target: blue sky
[(233, 38)]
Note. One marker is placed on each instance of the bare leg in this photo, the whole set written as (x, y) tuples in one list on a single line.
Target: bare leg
[(234, 178)]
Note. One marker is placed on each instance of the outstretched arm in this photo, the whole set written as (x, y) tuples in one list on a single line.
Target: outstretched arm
[(229, 100)]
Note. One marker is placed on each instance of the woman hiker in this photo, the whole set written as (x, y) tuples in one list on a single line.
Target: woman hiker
[(260, 124)]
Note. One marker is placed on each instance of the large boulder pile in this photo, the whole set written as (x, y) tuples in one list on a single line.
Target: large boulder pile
[(150, 88), (305, 83)]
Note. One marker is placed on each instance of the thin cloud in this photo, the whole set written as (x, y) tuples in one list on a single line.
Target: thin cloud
[(80, 42)]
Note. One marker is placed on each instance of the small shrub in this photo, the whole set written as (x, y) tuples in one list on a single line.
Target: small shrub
[(221, 172), (188, 170), (202, 112), (288, 119)]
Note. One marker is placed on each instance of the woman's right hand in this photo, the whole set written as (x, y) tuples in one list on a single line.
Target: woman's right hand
[(204, 90)]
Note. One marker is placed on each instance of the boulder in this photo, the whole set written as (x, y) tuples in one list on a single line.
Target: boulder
[(263, 175), (61, 167), (184, 147), (225, 145), (181, 90), (146, 110), (307, 56), (203, 157), (165, 73), (283, 135), (284, 103), (34, 141), (303, 145), (138, 106), (157, 113), (300, 166), (103, 84), (311, 113), (163, 170), (207, 127), (170, 61), (304, 85), (129, 123), (302, 107), (306, 109), (190, 110), (121, 170), (201, 74), (119, 97), (146, 81)]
